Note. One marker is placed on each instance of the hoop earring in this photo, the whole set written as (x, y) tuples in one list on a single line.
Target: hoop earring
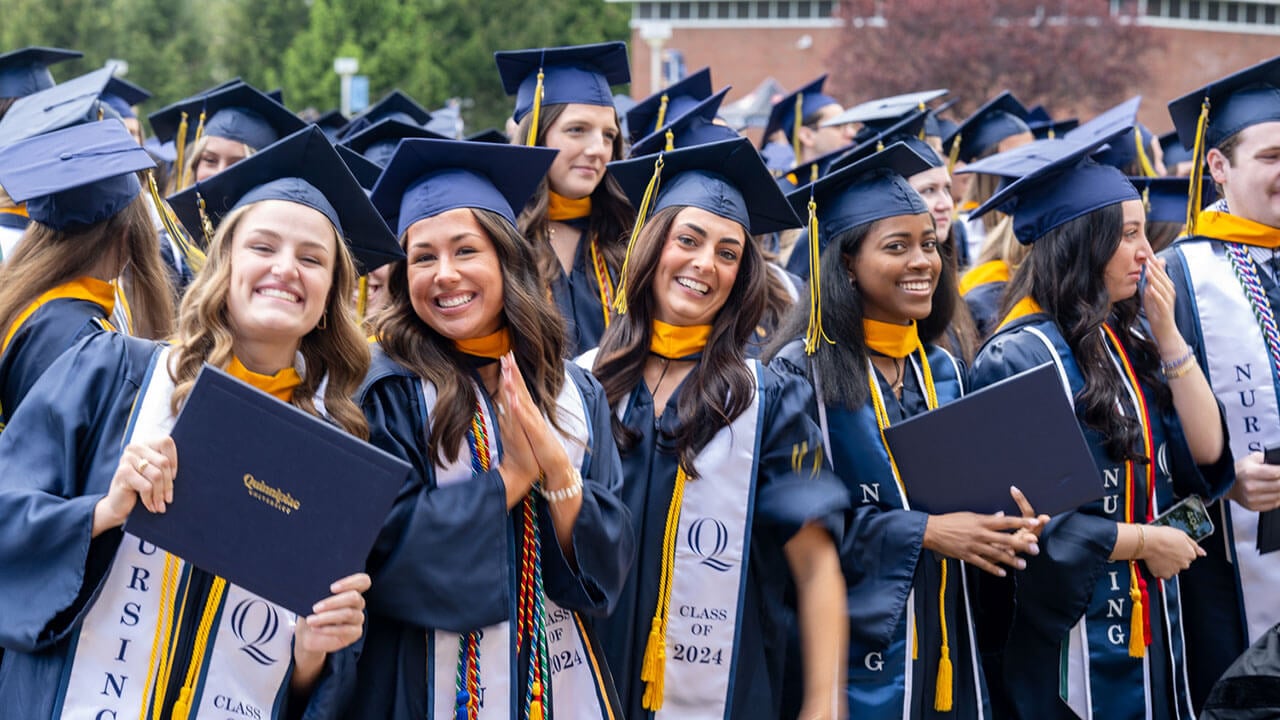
[(324, 321)]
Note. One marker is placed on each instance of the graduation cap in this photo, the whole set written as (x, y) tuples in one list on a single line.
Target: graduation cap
[(491, 135), (1230, 104), (1125, 148), (238, 112), (726, 178), (807, 172), (395, 105), (658, 110), (26, 71), (870, 189), (378, 141), (697, 126), (935, 126), (554, 76), (886, 111), (446, 122), (906, 131), (1174, 153), (788, 114), (429, 177), (366, 171), (1001, 117), (76, 176), (1166, 197), (302, 168), (122, 95), (73, 102), (332, 123), (1069, 186), (1021, 161), (1045, 127)]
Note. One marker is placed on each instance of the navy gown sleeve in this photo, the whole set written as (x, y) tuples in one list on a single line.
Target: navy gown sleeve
[(442, 559), (1055, 588), (57, 457), (50, 331), (604, 543)]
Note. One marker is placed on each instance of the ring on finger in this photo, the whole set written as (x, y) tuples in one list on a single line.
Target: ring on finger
[(142, 466)]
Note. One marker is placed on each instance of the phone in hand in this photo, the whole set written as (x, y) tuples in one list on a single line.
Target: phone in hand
[(1190, 516), (1271, 455)]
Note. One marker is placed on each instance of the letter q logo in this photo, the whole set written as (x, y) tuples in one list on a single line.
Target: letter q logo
[(708, 539), (255, 623)]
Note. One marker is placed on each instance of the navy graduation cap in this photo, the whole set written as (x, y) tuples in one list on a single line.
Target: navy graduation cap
[(697, 126), (26, 71), (658, 110), (332, 123), (1125, 148), (886, 111), (302, 168), (784, 116), (1001, 117), (1021, 161), (427, 177), (377, 142), (1045, 127), (366, 171), (1174, 153), (122, 95), (1166, 197), (237, 112), (395, 105), (73, 102), (490, 135), (727, 178), (906, 131), (1069, 186), (76, 176), (553, 76), (1231, 104), (808, 172), (935, 126)]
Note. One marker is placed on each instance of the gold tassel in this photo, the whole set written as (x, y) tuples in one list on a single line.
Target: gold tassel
[(954, 156), (193, 256), (915, 634), (642, 213), (1147, 169), (1137, 633), (535, 707), (813, 173), (943, 686), (205, 224), (1197, 168), (182, 708), (671, 141), (536, 113), (362, 297), (653, 670), (662, 113), (815, 331), (795, 128), (180, 147)]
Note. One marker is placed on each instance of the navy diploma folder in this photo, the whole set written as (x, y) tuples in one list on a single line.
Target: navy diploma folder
[(274, 500), (1020, 431)]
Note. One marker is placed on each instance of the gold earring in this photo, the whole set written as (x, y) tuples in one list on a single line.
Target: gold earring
[(324, 321)]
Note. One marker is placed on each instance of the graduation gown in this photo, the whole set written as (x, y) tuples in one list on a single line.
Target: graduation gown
[(60, 589), (776, 501), (1230, 594), (893, 582), (60, 318), (448, 556), (577, 294), (1068, 649)]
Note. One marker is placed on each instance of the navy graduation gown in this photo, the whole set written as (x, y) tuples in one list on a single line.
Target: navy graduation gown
[(47, 333), (1066, 599), (885, 563), (447, 557), (578, 296), (782, 503), (57, 457), (984, 304)]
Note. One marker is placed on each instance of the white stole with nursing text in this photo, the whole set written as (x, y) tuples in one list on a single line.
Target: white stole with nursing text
[(576, 689), (1240, 371), (114, 670)]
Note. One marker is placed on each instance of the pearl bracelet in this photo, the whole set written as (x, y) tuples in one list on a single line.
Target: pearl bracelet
[(562, 494)]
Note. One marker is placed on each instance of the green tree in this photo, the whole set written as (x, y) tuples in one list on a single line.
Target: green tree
[(253, 38)]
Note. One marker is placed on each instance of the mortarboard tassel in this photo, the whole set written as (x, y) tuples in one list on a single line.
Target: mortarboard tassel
[(642, 214), (1197, 168), (813, 172), (180, 147), (671, 140), (922, 109), (362, 297), (536, 113), (954, 156), (795, 128), (205, 225), (653, 669), (815, 331), (662, 113), (1147, 169), (187, 178), (193, 256)]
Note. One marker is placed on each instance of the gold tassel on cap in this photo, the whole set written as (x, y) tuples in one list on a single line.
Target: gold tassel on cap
[(815, 331), (795, 127), (180, 147), (662, 113), (954, 156), (1147, 169), (193, 256), (671, 140), (362, 297), (1197, 168), (536, 113), (642, 214)]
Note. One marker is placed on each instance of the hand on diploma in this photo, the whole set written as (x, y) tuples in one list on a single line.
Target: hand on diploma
[(985, 541), (145, 472)]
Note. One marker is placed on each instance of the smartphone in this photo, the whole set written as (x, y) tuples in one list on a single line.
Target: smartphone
[(1271, 455), (1142, 281), (1189, 516)]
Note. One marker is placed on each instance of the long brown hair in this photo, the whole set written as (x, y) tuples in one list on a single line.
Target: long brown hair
[(46, 258), (611, 213), (537, 335), (720, 387), (336, 354)]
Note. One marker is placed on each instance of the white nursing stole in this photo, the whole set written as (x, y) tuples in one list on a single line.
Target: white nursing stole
[(712, 547), (247, 660), (575, 685), (1239, 370)]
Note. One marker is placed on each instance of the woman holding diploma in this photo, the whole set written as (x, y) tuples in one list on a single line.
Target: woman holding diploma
[(509, 534), (722, 464), (881, 301), (101, 624), (1097, 626)]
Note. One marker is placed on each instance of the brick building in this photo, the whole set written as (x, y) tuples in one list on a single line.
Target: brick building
[(746, 43)]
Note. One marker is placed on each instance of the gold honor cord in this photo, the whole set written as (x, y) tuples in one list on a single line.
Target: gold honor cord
[(1195, 192), (653, 668), (536, 113), (642, 214)]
